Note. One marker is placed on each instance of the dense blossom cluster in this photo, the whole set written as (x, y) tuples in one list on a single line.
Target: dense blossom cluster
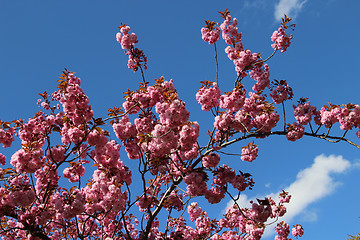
[(281, 92), (172, 165), (249, 153), (281, 40), (261, 76), (347, 115), (304, 113), (208, 96), (297, 230), (230, 30), (295, 131), (243, 59), (233, 101), (127, 41), (283, 231), (7, 137), (210, 33)]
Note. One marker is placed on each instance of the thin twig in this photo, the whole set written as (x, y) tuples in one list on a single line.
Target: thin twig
[(217, 65), (283, 107), (142, 74), (265, 59), (235, 202)]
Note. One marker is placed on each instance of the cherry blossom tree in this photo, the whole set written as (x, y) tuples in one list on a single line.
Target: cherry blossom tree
[(47, 192)]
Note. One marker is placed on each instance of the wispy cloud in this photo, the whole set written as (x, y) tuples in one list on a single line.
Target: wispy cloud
[(314, 183), (311, 184), (289, 7), (254, 4)]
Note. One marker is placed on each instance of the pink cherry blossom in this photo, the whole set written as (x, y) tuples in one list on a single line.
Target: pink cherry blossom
[(249, 153), (295, 131), (208, 97), (297, 230), (281, 40)]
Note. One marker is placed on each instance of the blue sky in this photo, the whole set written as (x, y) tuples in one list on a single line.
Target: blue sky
[(39, 38)]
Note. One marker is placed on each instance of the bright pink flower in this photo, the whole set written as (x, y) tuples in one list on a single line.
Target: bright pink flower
[(27, 162), (6, 137), (211, 160), (127, 41), (281, 91), (124, 129), (224, 121), (196, 186), (74, 172), (245, 62), (208, 97), (230, 31), (188, 136), (328, 115), (194, 211), (250, 152), (97, 139), (74, 102), (295, 131), (234, 100), (261, 76), (172, 114), (297, 230), (304, 112), (281, 40), (210, 36), (283, 231)]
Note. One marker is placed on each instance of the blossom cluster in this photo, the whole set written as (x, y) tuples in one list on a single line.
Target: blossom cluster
[(295, 131), (281, 40), (210, 33), (297, 230), (347, 115), (281, 91), (230, 31), (243, 59), (7, 137), (127, 41), (208, 96), (234, 100), (255, 112), (249, 153), (261, 76), (304, 112)]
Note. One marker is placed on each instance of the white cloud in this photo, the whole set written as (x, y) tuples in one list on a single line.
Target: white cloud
[(314, 183), (288, 7), (311, 184)]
